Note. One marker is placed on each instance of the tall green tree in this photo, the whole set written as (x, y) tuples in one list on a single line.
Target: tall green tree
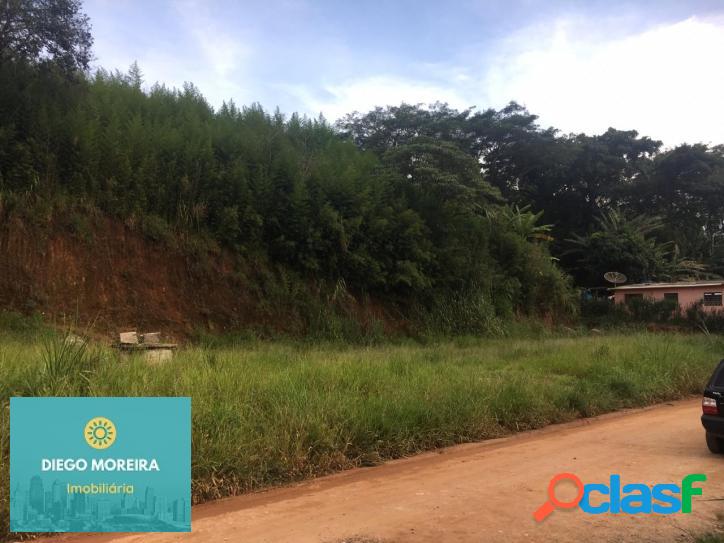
[(54, 31), (686, 189)]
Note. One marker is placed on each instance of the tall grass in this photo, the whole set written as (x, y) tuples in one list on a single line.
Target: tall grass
[(67, 363), (268, 413)]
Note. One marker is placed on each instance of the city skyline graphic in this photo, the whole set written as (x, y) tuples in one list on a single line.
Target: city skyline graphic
[(45, 505)]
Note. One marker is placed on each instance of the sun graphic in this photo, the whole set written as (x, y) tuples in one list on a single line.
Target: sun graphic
[(99, 433)]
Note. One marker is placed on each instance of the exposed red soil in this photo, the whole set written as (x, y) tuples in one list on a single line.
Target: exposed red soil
[(119, 280)]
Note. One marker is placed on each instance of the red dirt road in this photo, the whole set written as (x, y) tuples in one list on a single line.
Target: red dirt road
[(480, 492)]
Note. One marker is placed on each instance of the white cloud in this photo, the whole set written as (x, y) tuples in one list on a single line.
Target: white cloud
[(223, 53), (223, 59), (578, 74), (336, 100), (664, 82), (195, 48)]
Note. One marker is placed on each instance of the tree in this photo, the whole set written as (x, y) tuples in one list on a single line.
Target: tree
[(38, 31), (571, 179), (628, 245), (386, 128), (686, 189), (522, 221)]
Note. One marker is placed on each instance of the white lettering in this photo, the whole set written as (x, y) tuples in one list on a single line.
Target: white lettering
[(63, 464)]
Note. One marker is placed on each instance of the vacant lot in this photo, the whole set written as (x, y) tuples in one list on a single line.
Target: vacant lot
[(267, 413)]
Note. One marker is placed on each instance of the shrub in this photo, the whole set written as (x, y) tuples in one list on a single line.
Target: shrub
[(156, 229), (647, 310), (605, 313), (706, 321)]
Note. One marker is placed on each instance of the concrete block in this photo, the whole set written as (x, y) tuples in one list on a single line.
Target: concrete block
[(158, 356), (152, 338), (128, 338)]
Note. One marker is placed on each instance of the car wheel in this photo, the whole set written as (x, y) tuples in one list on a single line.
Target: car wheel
[(714, 443)]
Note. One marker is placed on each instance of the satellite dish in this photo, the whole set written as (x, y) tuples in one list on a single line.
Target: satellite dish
[(617, 278)]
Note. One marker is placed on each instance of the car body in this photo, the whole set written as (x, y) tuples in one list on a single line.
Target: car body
[(712, 405)]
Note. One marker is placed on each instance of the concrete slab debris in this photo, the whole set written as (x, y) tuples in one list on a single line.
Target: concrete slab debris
[(128, 338), (149, 344)]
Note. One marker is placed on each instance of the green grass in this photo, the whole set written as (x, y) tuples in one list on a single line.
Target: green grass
[(268, 413)]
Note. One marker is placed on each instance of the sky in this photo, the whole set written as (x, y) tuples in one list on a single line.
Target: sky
[(582, 66)]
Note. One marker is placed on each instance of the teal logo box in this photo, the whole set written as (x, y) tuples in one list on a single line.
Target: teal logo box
[(100, 464)]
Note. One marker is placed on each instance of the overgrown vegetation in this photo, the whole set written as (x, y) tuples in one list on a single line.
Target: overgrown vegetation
[(459, 217), (268, 413), (416, 224), (641, 312), (615, 201)]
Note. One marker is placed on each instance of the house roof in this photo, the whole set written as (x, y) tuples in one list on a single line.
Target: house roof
[(681, 284)]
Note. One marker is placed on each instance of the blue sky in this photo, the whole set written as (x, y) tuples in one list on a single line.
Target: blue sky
[(583, 66)]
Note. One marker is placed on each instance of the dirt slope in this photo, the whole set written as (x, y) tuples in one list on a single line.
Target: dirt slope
[(116, 278), (480, 492)]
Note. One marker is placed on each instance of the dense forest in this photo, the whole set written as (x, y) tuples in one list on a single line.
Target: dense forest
[(409, 204)]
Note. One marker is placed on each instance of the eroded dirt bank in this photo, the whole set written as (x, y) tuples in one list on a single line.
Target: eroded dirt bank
[(115, 278)]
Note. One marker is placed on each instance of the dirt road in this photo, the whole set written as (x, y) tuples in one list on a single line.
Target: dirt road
[(481, 492)]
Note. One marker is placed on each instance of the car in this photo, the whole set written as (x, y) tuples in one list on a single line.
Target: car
[(712, 405)]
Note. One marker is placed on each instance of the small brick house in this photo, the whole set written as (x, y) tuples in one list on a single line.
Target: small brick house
[(686, 294)]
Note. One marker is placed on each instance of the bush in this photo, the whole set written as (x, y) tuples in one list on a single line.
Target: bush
[(647, 310), (460, 314), (706, 321), (17, 324), (600, 312), (605, 313), (156, 229)]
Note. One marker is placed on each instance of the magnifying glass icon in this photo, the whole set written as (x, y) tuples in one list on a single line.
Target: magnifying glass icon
[(548, 507)]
